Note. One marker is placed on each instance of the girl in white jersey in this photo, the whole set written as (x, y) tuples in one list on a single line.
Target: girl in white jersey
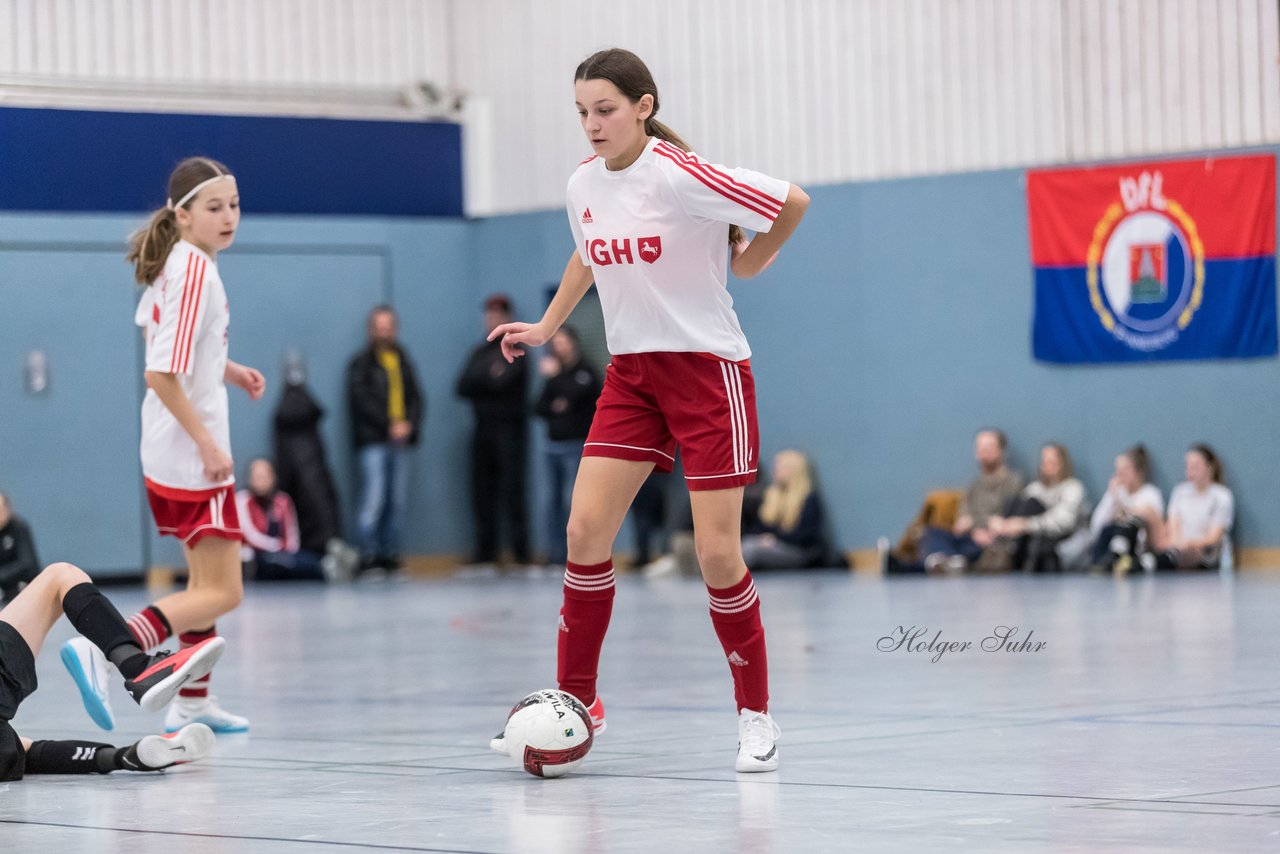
[(650, 221), (186, 441)]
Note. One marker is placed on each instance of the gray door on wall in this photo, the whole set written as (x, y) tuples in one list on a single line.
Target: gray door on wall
[(69, 455)]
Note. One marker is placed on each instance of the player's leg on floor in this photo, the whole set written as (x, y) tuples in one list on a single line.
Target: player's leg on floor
[(735, 614), (152, 753), (34, 611)]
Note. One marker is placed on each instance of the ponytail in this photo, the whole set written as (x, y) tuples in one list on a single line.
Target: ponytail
[(149, 246)]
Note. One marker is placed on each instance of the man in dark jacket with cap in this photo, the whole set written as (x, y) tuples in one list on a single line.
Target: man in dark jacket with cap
[(387, 408)]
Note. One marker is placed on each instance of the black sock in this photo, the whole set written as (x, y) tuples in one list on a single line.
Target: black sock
[(97, 619), (71, 757)]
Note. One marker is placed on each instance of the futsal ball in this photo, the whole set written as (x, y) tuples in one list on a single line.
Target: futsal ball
[(548, 733)]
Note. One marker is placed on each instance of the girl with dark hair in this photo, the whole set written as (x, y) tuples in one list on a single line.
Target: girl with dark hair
[(186, 435), (654, 227), (1130, 506), (1196, 534)]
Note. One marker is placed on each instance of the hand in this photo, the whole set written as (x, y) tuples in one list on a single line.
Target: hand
[(400, 431), (963, 525), (559, 405), (549, 366), (217, 463), (996, 525), (249, 379), (983, 537), (768, 540), (512, 334)]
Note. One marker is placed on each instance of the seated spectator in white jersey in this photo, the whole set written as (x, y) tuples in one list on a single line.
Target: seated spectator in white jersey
[(18, 562), (270, 526), (1197, 532), (787, 533), (1047, 512), (1130, 506)]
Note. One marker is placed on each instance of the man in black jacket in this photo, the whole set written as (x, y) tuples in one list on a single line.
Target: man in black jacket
[(387, 408), (18, 562), (498, 392)]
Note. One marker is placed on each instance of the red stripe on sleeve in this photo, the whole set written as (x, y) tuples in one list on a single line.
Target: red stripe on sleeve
[(751, 206), (182, 311), (722, 178), (193, 313)]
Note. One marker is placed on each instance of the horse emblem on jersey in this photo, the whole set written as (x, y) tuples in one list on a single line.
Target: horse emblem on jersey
[(650, 249)]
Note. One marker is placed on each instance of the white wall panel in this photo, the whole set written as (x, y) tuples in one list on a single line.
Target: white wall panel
[(815, 91)]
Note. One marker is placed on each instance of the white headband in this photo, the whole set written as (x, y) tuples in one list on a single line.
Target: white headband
[(197, 188)]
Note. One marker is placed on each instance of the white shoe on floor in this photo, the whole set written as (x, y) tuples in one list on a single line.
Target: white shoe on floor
[(757, 742), (205, 711), (192, 742)]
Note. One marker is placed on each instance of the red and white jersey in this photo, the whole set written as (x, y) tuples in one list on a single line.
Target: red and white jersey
[(656, 236), (184, 315)]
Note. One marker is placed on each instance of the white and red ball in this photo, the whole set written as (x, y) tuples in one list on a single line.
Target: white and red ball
[(548, 733)]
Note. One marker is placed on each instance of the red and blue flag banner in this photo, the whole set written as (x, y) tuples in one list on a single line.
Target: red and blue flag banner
[(1154, 261)]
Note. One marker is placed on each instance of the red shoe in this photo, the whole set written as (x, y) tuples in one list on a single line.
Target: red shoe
[(596, 710), (154, 687)]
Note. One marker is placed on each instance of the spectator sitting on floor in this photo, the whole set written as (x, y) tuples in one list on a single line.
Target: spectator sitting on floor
[(1130, 506), (1201, 512), (990, 494), (18, 562), (788, 531), (270, 527), (1047, 511)]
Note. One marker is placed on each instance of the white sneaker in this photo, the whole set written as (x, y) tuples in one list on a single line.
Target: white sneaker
[(203, 711), (757, 742), (92, 674), (192, 742)]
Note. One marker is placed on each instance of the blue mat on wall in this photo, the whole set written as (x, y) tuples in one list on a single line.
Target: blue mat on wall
[(85, 160)]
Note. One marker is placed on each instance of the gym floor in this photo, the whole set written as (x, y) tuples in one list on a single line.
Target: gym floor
[(1122, 716)]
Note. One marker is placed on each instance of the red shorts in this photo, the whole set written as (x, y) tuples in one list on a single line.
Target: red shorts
[(654, 402), (193, 515)]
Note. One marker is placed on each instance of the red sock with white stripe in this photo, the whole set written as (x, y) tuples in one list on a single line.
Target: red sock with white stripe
[(584, 619), (150, 628), (735, 614), (199, 689)]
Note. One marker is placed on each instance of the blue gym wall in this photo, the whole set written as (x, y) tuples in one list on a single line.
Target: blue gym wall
[(896, 323)]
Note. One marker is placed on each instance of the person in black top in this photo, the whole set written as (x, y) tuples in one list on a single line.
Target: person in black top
[(498, 392), (568, 403), (788, 531), (387, 407), (18, 562)]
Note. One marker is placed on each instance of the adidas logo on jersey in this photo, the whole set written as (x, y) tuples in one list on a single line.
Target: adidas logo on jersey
[(737, 660), (606, 252), (586, 216)]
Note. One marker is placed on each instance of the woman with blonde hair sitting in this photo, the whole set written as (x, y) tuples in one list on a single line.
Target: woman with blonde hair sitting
[(788, 530)]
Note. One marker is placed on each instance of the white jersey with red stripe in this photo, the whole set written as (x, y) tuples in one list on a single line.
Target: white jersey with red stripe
[(185, 315), (656, 237)]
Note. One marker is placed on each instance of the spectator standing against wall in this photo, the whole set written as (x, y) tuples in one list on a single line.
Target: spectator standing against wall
[(498, 391), (18, 562), (567, 403), (387, 408)]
